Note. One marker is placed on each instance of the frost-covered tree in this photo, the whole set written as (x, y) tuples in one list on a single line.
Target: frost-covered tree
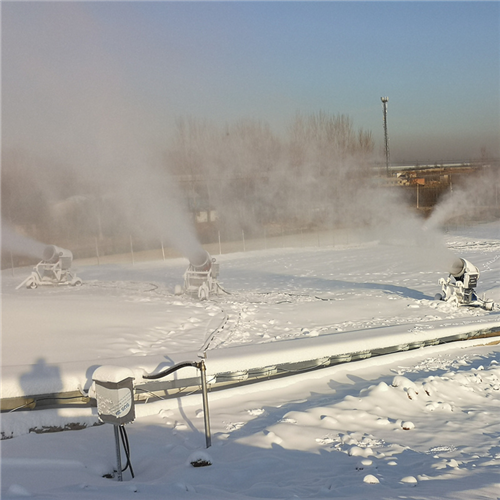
[(254, 177)]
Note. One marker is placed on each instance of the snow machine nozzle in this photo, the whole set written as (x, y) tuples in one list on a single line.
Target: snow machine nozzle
[(52, 254), (201, 261), (460, 284), (53, 269)]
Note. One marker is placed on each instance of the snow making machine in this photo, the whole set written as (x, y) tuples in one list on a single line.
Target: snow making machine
[(53, 269), (200, 278), (459, 286)]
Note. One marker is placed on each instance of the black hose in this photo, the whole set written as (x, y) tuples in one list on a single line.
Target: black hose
[(170, 370), (220, 288)]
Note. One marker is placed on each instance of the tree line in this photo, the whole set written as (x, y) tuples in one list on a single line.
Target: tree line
[(244, 172)]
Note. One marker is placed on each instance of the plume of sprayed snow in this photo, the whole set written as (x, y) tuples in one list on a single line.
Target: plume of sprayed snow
[(85, 152), (477, 193), (152, 206), (396, 225), (19, 244)]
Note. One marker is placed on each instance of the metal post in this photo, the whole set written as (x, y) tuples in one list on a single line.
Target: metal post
[(243, 237), (384, 103), (162, 249), (220, 247), (97, 252), (200, 366), (118, 455), (132, 249), (206, 416)]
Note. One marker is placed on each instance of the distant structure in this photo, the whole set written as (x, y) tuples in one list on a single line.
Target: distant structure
[(385, 100)]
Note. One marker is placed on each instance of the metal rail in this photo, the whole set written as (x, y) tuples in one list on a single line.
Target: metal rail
[(154, 389)]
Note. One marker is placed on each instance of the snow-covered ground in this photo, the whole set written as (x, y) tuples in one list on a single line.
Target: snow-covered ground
[(417, 424)]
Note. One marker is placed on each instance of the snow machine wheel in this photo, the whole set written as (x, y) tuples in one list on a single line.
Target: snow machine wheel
[(438, 296), (77, 282), (178, 290), (31, 284), (203, 292)]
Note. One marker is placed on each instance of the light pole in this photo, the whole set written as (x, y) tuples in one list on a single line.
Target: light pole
[(385, 100)]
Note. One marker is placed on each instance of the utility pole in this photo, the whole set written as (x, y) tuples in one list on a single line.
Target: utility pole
[(385, 100)]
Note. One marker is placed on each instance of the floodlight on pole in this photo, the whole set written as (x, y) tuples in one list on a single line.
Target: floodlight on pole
[(385, 100)]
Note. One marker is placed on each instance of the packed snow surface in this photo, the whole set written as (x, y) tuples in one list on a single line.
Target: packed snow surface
[(417, 424)]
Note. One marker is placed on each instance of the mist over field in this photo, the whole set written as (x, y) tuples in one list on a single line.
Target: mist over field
[(100, 146), (319, 175), (244, 172)]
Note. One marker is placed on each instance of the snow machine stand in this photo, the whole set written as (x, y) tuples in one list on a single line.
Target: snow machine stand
[(459, 287), (53, 269), (200, 278)]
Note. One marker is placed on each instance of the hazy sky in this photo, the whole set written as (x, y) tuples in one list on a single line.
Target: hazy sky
[(90, 76)]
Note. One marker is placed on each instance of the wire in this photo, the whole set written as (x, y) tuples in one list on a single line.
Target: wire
[(148, 392), (209, 338), (35, 401), (22, 406), (126, 447), (307, 369)]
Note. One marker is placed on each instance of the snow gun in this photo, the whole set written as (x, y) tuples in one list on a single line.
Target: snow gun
[(53, 269), (200, 278), (460, 285)]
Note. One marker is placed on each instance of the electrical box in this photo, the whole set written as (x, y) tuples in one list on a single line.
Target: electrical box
[(114, 388)]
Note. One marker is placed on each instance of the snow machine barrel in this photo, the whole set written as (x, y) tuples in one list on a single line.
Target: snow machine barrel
[(201, 261), (461, 289), (201, 275), (53, 269), (52, 254), (462, 270)]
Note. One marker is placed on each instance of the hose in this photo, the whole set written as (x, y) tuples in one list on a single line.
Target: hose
[(170, 370), (220, 288)]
